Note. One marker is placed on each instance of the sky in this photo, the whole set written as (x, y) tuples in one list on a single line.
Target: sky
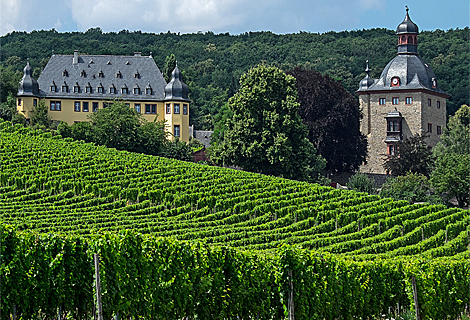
[(232, 16)]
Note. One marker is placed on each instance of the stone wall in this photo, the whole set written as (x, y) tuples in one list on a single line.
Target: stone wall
[(416, 117)]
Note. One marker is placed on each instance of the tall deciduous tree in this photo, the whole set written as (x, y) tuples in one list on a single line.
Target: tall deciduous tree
[(412, 155), (456, 137), (265, 133), (116, 126), (170, 65), (40, 115), (332, 117)]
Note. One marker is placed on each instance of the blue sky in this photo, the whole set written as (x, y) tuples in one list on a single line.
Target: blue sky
[(233, 16)]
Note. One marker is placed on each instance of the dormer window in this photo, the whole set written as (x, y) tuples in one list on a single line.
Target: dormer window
[(65, 87), (137, 75), (124, 90), (53, 87), (101, 74), (112, 89), (136, 90), (65, 73), (148, 90), (128, 63), (91, 61), (100, 88), (109, 63), (119, 75), (88, 88), (76, 88), (83, 74), (395, 82)]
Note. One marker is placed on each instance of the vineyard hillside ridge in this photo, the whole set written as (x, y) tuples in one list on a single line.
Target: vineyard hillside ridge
[(66, 199)]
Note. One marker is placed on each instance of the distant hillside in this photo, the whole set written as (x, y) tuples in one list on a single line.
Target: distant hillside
[(212, 63)]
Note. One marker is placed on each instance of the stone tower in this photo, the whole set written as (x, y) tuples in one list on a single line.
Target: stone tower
[(405, 100)]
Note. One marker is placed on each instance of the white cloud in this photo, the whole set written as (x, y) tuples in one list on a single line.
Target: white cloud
[(9, 11), (372, 4)]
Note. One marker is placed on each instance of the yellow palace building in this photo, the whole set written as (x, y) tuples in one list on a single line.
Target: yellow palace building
[(73, 86)]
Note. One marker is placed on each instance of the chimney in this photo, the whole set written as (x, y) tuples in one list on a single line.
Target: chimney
[(75, 56), (137, 54)]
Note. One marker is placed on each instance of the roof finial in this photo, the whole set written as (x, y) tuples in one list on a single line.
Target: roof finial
[(406, 8), (367, 68)]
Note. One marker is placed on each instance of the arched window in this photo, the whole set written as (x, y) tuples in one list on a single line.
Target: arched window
[(410, 40), (403, 39)]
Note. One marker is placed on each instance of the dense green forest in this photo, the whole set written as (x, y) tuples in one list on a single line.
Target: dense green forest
[(212, 63)]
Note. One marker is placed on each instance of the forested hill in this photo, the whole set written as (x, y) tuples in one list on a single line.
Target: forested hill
[(212, 63)]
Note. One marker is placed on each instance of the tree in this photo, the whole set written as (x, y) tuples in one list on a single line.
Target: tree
[(116, 126), (451, 176), (265, 133), (8, 108), (40, 115), (170, 65), (413, 187), (456, 137), (413, 154), (361, 182), (152, 138), (332, 117), (178, 150)]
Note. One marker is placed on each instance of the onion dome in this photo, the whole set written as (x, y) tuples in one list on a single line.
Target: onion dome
[(28, 85), (176, 89), (407, 26)]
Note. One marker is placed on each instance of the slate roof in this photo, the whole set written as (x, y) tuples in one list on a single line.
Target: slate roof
[(413, 72), (61, 70), (407, 26)]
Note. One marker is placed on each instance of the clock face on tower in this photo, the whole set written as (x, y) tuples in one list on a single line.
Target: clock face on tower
[(395, 82)]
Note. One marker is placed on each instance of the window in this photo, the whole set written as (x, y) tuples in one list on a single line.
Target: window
[(176, 130), (137, 75), (176, 108), (438, 104), (168, 108), (119, 74), (125, 90), (429, 127), (382, 101), (395, 100), (438, 130), (148, 90), (136, 90), (112, 90), (101, 74), (19, 102), (100, 89), (150, 108), (76, 89), (76, 107), (429, 102), (65, 88), (65, 73), (409, 100), (55, 106), (88, 89), (83, 73), (35, 102), (95, 106), (391, 149), (185, 109), (85, 106), (53, 88), (137, 107), (393, 126)]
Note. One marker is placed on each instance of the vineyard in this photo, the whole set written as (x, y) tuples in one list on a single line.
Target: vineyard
[(178, 239)]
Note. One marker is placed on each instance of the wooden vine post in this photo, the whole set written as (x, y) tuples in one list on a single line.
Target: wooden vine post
[(99, 307), (415, 297), (291, 296)]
